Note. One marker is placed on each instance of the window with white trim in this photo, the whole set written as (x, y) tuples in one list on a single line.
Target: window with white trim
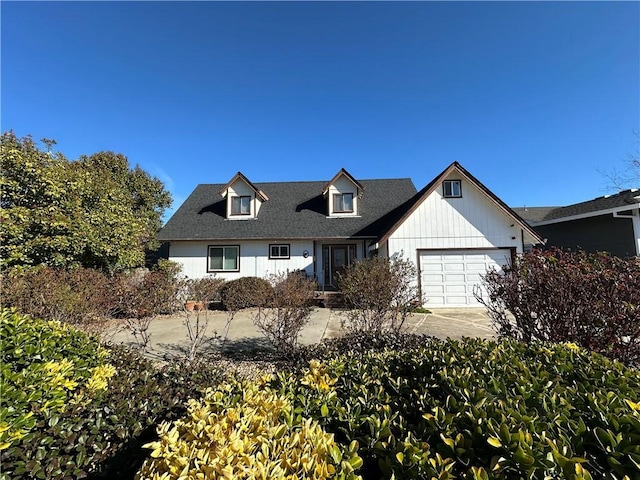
[(452, 188), (224, 258), (241, 205), (279, 251), (343, 202)]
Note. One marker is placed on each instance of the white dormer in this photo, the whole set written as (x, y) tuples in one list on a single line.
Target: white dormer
[(243, 198), (343, 194)]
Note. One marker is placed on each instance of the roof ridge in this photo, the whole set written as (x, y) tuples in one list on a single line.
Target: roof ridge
[(316, 181)]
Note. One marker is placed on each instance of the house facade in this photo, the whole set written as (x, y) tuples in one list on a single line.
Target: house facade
[(609, 223), (454, 229)]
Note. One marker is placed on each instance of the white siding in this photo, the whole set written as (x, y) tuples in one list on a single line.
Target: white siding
[(472, 221), (254, 258)]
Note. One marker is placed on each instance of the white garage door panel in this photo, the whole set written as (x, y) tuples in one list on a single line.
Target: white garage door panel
[(455, 289), (431, 278), (448, 278), (454, 278)]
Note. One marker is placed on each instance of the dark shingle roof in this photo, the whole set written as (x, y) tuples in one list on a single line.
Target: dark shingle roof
[(627, 198), (533, 214), (294, 210)]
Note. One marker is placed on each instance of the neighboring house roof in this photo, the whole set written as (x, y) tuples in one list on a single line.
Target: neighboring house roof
[(294, 210), (625, 200), (533, 214), (412, 205)]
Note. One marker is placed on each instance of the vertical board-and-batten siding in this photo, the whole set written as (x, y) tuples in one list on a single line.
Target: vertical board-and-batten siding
[(472, 221), (254, 258)]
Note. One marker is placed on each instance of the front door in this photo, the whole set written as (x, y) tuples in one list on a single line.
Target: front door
[(337, 259)]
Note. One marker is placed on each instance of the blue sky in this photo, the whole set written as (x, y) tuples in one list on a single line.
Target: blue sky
[(536, 99)]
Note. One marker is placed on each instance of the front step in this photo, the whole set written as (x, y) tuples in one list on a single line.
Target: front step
[(331, 299)]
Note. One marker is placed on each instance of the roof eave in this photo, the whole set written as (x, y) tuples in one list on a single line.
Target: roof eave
[(594, 213), (261, 239)]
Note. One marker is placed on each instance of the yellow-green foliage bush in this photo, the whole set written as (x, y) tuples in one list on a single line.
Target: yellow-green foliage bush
[(478, 410), (247, 430), (46, 366)]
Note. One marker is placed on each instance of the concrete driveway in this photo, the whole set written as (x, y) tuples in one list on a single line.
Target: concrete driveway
[(169, 334)]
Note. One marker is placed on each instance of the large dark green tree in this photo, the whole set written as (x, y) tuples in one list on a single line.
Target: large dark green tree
[(96, 211)]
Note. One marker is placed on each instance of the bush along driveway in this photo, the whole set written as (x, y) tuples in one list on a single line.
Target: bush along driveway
[(371, 407)]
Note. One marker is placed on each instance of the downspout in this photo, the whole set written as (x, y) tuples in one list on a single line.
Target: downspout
[(315, 261)]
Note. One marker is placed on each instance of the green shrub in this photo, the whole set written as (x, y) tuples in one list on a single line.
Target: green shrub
[(245, 292), (358, 344), (48, 365), (244, 430), (562, 296), (478, 409), (91, 431)]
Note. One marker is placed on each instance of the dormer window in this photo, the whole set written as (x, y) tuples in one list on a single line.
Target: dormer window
[(241, 205), (243, 198), (343, 202), (343, 194), (452, 189)]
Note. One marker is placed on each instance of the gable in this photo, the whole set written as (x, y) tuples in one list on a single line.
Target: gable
[(344, 175), (462, 209), (472, 220)]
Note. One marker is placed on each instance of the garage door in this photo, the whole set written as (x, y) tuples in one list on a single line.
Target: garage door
[(448, 277)]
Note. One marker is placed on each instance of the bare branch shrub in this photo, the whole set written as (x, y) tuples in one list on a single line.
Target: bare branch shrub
[(90, 299), (286, 311), (143, 297), (627, 176), (82, 297), (380, 293), (203, 291), (559, 296)]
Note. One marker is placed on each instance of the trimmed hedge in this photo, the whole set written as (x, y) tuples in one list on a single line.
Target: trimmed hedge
[(478, 409), (471, 409), (245, 292), (96, 433), (246, 431), (46, 366)]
